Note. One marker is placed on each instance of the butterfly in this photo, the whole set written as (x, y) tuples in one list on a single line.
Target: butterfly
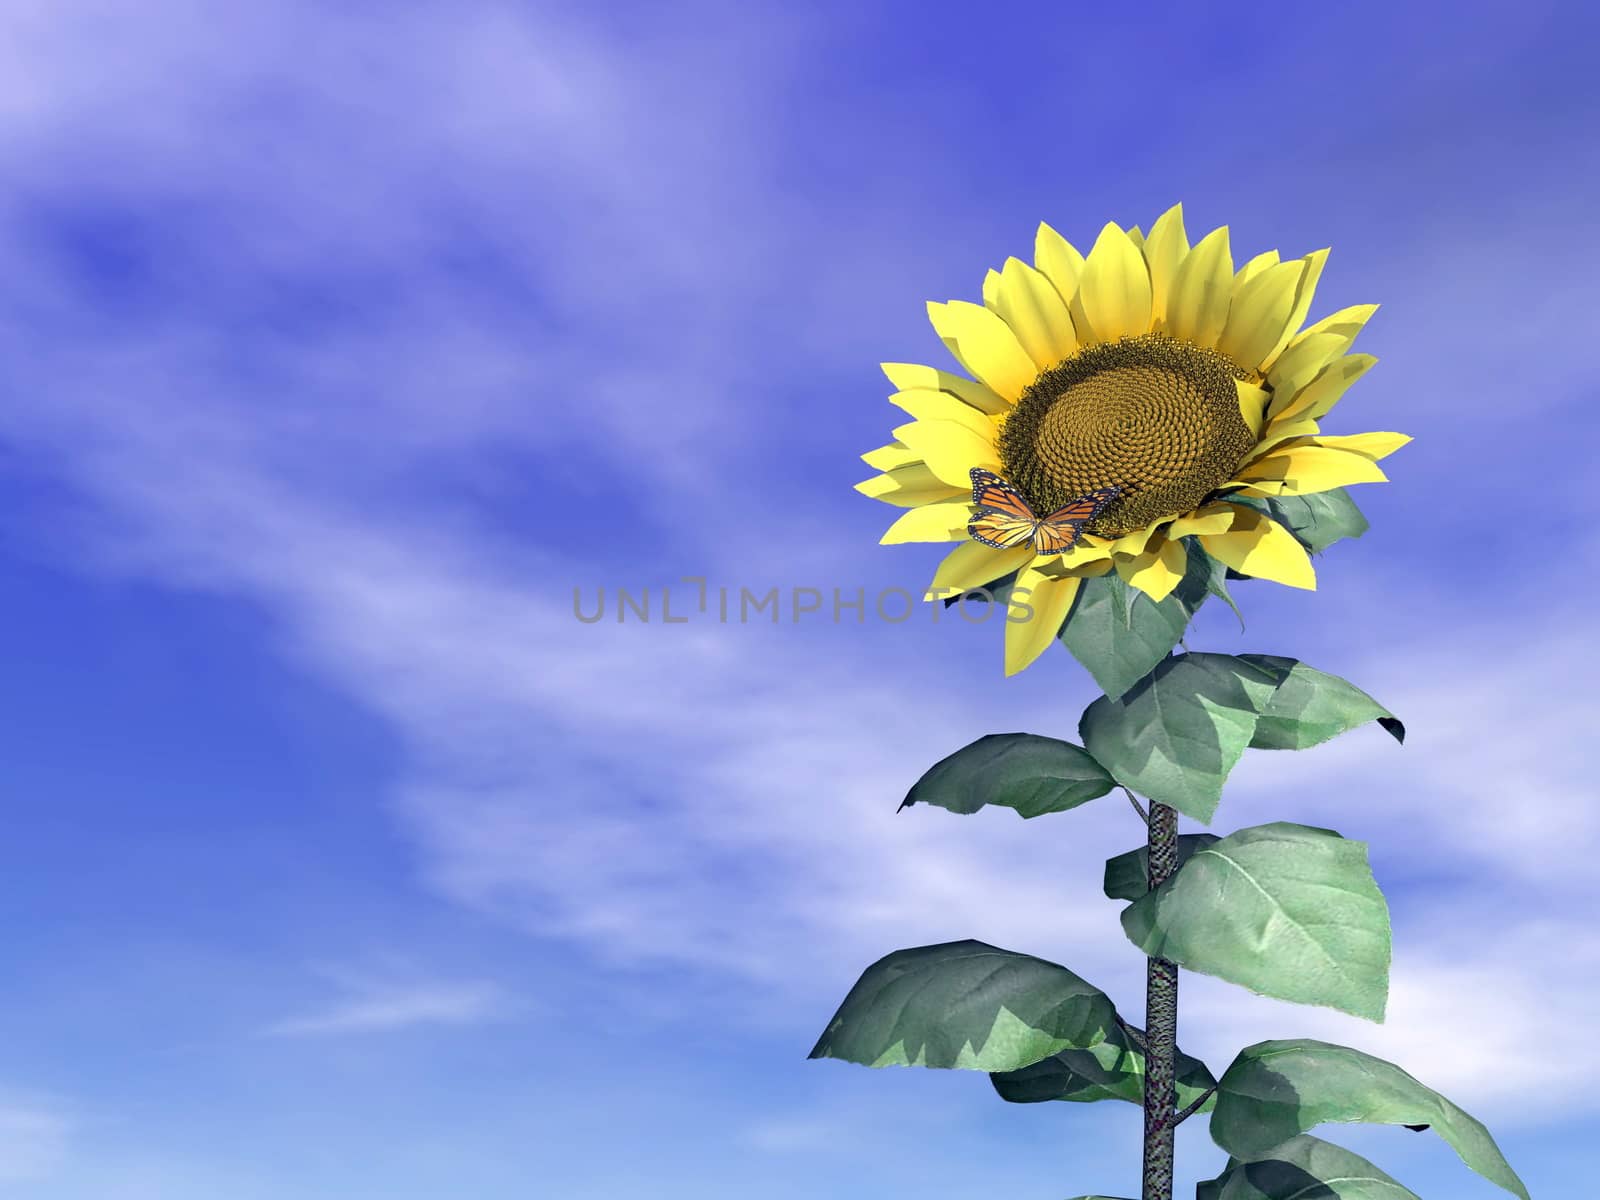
[(1004, 520)]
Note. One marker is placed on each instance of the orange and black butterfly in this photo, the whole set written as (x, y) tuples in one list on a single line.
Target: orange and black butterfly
[(1004, 520)]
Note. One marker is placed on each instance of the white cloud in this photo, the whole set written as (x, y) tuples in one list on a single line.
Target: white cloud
[(302, 207), (34, 1140), (720, 799), (1491, 782), (797, 1134), (1480, 1020), (385, 1006)]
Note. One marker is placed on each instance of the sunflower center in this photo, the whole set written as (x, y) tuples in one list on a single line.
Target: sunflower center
[(1156, 417)]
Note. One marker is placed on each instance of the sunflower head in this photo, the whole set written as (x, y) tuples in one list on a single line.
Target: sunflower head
[(1148, 365), (1153, 416)]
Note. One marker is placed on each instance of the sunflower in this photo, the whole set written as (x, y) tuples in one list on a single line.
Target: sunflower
[(1150, 366)]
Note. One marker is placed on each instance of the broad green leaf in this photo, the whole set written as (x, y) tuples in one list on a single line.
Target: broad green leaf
[(1023, 771), (1304, 1168), (1275, 1090), (1118, 633), (1111, 1070), (1175, 736), (1317, 521), (1311, 706), (1127, 875), (1285, 910), (967, 1005)]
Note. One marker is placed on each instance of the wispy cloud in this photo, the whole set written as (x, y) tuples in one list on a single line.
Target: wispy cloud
[(797, 1134), (385, 1006), (324, 386), (34, 1140)]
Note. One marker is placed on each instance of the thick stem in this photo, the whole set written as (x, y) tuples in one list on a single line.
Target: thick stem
[(1160, 1022)]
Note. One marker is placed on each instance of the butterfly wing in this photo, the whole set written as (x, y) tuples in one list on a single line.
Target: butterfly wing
[(1061, 530), (1001, 530), (991, 491), (1003, 519)]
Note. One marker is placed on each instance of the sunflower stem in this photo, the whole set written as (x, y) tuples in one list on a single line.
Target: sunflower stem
[(1137, 807), (1161, 1021)]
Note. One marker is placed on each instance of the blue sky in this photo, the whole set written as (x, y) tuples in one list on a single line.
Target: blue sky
[(340, 343)]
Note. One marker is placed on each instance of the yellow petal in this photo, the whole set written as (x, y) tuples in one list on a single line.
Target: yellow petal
[(1258, 264), (1252, 405), (927, 405), (1113, 297), (991, 288), (1158, 570), (1209, 518), (1322, 393), (985, 345), (1299, 364), (887, 458), (1049, 598), (1265, 487), (1258, 320), (910, 486), (1214, 517), (1086, 551), (907, 376), (1163, 251), (1314, 262), (1368, 445), (1261, 547), (1280, 433), (1057, 568), (1306, 469), (1058, 261), (1134, 541), (941, 521), (1372, 445), (1347, 322), (950, 450), (1029, 303), (1197, 304), (971, 565)]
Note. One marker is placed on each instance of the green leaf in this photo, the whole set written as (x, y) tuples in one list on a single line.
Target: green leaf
[(1023, 771), (967, 1005), (1127, 875), (1285, 910), (1304, 1168), (1317, 521), (1311, 706), (1111, 1070), (1275, 1090), (1175, 736), (1118, 633)]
